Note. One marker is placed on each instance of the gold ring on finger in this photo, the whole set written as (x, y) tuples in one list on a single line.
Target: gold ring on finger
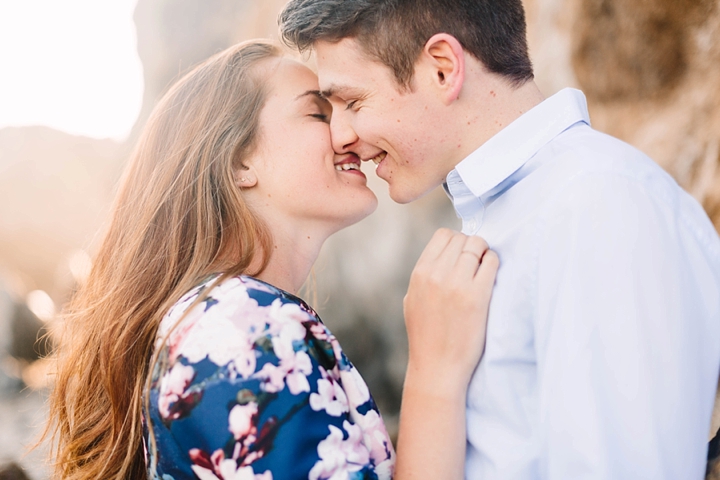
[(473, 254)]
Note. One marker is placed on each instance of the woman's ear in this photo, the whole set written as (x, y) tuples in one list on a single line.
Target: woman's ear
[(245, 177), (445, 58)]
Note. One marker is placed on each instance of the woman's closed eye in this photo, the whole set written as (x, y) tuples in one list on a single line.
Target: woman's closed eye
[(321, 116)]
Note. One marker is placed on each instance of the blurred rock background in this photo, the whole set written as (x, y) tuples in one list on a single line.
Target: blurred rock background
[(649, 69)]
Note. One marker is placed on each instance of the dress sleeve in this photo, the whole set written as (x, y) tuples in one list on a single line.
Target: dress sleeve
[(256, 392), (627, 349)]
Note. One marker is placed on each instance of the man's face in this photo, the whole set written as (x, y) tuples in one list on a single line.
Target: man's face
[(403, 131)]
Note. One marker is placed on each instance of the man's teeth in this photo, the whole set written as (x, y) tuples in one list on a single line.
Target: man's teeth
[(379, 158), (347, 166)]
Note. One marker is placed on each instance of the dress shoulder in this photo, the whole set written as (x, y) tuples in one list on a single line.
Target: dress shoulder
[(251, 382)]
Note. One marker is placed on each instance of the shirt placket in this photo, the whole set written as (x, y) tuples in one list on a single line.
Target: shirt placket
[(469, 208)]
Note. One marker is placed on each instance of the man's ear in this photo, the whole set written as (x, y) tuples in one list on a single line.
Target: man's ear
[(445, 57), (245, 177)]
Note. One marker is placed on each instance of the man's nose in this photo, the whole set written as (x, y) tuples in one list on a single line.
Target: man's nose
[(342, 134)]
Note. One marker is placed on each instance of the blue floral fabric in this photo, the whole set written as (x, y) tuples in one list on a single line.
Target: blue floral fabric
[(250, 385)]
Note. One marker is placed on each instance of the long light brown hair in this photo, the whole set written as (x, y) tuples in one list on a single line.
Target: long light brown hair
[(178, 217)]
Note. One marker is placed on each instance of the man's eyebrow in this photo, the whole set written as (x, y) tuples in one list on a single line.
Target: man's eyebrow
[(314, 93), (340, 90), (330, 91)]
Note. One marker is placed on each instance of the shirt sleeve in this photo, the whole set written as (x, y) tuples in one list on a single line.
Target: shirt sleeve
[(626, 337)]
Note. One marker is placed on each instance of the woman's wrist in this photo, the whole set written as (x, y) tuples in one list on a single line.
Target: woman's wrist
[(433, 381)]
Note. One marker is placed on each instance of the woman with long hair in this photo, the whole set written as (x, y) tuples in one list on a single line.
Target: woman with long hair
[(186, 353)]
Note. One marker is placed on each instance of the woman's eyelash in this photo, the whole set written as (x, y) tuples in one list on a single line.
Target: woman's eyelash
[(320, 116), (350, 105)]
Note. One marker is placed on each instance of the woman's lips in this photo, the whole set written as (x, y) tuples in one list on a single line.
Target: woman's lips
[(347, 166), (350, 165)]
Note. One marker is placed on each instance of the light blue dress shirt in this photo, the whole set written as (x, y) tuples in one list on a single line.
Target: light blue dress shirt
[(603, 342)]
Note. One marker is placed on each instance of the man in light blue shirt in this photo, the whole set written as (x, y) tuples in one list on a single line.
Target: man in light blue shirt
[(603, 341)]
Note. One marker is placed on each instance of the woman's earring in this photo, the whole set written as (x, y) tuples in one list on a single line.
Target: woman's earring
[(243, 180)]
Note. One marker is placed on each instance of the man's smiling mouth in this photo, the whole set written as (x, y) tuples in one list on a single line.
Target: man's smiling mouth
[(379, 158)]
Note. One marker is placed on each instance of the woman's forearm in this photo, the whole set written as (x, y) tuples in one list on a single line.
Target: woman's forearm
[(446, 311), (431, 440)]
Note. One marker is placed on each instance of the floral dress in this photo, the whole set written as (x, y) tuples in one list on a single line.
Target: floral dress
[(250, 385)]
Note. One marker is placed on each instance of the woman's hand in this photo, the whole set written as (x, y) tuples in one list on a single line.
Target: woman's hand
[(446, 311), (446, 306)]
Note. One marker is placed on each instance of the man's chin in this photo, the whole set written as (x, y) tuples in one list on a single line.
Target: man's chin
[(403, 194)]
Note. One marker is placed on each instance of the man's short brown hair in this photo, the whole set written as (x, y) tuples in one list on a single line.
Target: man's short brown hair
[(395, 31)]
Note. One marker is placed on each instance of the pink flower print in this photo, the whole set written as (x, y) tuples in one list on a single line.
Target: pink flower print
[(294, 368), (338, 457), (284, 339), (217, 467), (176, 339), (273, 378), (172, 390), (225, 333), (330, 397), (355, 387), (318, 331), (298, 366), (375, 437), (337, 350), (218, 338), (284, 315), (242, 420)]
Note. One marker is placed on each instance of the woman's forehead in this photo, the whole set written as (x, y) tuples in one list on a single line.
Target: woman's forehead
[(293, 78)]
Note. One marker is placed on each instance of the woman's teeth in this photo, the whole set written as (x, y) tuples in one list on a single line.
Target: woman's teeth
[(347, 166)]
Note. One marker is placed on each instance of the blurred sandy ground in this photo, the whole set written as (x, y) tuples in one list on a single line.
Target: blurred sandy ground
[(650, 72), (21, 416)]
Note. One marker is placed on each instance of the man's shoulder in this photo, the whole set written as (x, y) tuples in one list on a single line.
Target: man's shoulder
[(594, 165), (584, 149), (595, 175)]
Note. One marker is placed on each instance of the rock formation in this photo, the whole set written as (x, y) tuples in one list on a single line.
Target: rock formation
[(649, 69)]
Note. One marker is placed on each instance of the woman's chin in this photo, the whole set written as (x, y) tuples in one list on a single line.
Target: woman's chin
[(361, 212), (372, 204)]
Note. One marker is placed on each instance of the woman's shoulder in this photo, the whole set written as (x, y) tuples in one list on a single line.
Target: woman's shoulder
[(233, 290), (264, 387), (233, 296), (219, 320)]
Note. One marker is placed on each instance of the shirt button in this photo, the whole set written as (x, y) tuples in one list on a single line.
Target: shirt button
[(471, 225)]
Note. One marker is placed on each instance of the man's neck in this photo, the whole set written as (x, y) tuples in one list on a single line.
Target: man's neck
[(491, 105)]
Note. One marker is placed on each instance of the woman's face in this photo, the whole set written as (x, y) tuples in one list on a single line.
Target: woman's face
[(294, 175)]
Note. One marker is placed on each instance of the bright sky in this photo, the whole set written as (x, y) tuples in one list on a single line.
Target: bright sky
[(70, 65)]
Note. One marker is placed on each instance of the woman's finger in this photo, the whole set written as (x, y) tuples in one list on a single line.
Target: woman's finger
[(436, 245), (486, 273), (470, 256), (447, 260)]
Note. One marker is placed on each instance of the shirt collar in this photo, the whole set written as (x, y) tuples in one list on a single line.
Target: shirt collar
[(513, 146)]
